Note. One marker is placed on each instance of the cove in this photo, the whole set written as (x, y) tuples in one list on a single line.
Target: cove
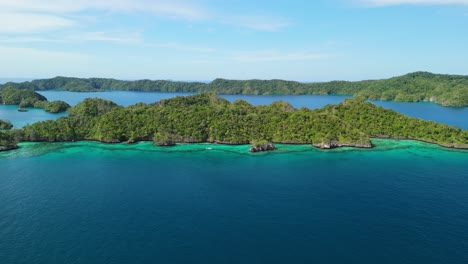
[(20, 119)]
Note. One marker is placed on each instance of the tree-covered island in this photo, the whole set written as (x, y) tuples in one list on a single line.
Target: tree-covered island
[(444, 89), (7, 142), (5, 125), (23, 97), (207, 117)]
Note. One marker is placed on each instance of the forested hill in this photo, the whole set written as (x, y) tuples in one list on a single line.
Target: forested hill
[(447, 90), (27, 98), (103, 84), (206, 117)]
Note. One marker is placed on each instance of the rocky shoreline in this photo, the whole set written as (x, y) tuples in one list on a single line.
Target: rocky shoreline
[(332, 145), (262, 147), (445, 145), (7, 148), (269, 146)]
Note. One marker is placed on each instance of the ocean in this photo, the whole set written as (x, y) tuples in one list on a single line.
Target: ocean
[(88, 202)]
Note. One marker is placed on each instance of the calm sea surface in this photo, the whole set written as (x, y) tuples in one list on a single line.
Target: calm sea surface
[(87, 202), (403, 202)]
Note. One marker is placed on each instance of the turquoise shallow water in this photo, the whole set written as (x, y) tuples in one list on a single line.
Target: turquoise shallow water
[(20, 119), (86, 202)]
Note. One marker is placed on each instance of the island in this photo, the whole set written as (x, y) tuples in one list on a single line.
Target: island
[(206, 117), (24, 97), (5, 125), (7, 142), (444, 89)]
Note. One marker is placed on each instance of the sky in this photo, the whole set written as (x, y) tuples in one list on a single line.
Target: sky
[(257, 39)]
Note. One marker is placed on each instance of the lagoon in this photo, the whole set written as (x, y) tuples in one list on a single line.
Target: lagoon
[(20, 119)]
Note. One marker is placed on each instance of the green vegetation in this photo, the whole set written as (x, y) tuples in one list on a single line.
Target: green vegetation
[(378, 122), (52, 107), (7, 142), (21, 97), (5, 125), (102, 84), (208, 118), (447, 90), (12, 95), (164, 138)]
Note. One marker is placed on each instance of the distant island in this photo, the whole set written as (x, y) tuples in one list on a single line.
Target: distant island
[(11, 95), (447, 90), (207, 117)]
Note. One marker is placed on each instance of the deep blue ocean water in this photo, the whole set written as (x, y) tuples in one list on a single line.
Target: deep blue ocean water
[(403, 202), (86, 202)]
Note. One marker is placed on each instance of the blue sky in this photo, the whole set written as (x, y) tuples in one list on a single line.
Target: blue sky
[(206, 39)]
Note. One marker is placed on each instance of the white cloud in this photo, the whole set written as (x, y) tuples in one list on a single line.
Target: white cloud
[(413, 2), (262, 23), (17, 40), (173, 9), (122, 38), (31, 23), (53, 11), (131, 38), (179, 47)]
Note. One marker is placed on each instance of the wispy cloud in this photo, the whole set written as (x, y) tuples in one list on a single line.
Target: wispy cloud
[(261, 23), (122, 38), (19, 40), (167, 8), (180, 47), (377, 3), (32, 15), (31, 23), (133, 38)]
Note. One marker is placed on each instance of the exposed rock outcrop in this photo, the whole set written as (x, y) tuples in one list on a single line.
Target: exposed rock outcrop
[(165, 143), (268, 146), (334, 144), (454, 145), (9, 147)]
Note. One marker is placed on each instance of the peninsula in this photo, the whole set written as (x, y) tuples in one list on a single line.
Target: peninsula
[(207, 117), (444, 89)]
